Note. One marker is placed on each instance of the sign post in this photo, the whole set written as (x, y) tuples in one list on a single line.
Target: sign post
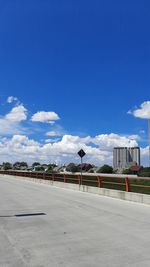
[(81, 154)]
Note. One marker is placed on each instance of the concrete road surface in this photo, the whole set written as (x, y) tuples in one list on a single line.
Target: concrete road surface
[(78, 229)]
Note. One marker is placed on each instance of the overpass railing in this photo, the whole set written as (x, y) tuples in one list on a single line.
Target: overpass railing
[(128, 183)]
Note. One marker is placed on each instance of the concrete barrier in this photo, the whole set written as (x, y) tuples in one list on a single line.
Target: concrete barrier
[(129, 196)]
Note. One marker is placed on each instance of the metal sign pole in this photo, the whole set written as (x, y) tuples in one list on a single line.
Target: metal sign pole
[(81, 153), (81, 170), (149, 139)]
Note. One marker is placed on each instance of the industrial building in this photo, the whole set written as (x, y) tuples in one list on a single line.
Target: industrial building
[(125, 157)]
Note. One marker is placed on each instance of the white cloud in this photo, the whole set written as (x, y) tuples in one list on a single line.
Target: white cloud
[(98, 149), (20, 147), (56, 130), (9, 128), (17, 114), (145, 156), (143, 112), (50, 140), (45, 117), (109, 141), (11, 99), (52, 133), (10, 123)]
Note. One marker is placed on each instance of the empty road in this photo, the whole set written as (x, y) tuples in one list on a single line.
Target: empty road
[(70, 228)]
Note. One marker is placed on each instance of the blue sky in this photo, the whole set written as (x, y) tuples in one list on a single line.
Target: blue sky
[(86, 61)]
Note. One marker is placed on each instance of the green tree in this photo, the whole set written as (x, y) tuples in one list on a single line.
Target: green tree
[(16, 165), (23, 164), (20, 164), (39, 169), (127, 171), (35, 164), (144, 172), (72, 168), (105, 169), (50, 169), (7, 166)]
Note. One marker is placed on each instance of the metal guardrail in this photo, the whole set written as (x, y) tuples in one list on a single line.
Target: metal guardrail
[(125, 182)]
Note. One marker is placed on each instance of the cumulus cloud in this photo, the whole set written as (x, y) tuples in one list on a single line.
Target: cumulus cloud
[(59, 147), (9, 128), (17, 114), (142, 112), (45, 117), (98, 149), (109, 141), (10, 123), (56, 130), (11, 99), (145, 156), (52, 133), (20, 147), (50, 140)]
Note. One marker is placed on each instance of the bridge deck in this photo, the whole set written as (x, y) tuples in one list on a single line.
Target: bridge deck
[(74, 229)]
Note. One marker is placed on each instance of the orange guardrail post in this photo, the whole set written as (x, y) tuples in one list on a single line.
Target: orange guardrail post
[(65, 178), (127, 184), (99, 181), (79, 181)]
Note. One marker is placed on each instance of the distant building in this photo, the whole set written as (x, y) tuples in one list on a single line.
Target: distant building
[(125, 157)]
